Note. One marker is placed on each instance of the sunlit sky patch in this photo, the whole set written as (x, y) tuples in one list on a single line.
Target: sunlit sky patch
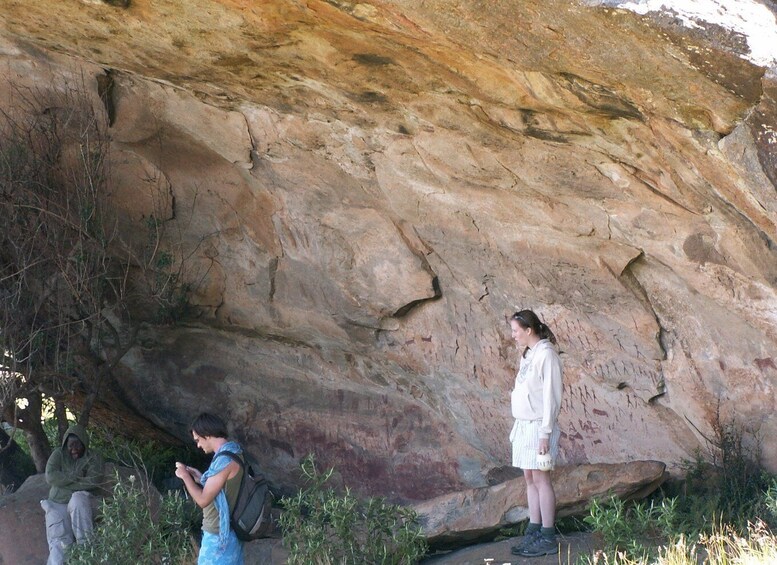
[(750, 18)]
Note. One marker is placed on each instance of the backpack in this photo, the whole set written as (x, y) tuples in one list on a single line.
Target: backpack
[(250, 517)]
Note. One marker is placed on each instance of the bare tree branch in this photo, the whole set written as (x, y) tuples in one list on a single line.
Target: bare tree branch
[(68, 296)]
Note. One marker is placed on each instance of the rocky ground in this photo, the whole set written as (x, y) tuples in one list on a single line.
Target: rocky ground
[(573, 546)]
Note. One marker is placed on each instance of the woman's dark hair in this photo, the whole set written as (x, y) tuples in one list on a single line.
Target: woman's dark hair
[(209, 425), (528, 319)]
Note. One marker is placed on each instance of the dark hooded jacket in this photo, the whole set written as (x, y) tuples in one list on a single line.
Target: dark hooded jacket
[(66, 475)]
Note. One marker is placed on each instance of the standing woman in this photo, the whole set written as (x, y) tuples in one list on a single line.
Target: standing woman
[(536, 400), (215, 491)]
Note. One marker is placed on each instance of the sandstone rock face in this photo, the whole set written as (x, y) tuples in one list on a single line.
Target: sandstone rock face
[(364, 192), (470, 514)]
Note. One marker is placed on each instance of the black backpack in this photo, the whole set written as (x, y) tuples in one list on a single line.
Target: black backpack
[(250, 517)]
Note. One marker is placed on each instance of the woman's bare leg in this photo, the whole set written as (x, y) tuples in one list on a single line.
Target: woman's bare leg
[(533, 496), (546, 497)]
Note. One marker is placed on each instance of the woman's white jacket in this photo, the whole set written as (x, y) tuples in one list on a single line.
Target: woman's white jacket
[(538, 387)]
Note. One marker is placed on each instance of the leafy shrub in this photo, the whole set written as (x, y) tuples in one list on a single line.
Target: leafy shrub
[(634, 531), (131, 529), (322, 527), (770, 501), (728, 486), (728, 505)]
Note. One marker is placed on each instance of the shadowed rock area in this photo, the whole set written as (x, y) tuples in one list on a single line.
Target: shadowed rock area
[(477, 513), (364, 192)]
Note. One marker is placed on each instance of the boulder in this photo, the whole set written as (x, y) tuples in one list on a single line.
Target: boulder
[(23, 525), (268, 551), (472, 514)]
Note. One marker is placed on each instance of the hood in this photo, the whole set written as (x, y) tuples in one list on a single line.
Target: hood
[(79, 432), (544, 344)]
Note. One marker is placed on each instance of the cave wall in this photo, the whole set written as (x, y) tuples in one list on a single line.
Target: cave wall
[(366, 191)]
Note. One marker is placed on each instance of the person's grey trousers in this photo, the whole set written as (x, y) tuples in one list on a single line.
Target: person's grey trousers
[(66, 523)]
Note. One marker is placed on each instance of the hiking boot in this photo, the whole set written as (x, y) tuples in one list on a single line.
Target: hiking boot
[(527, 540), (540, 546)]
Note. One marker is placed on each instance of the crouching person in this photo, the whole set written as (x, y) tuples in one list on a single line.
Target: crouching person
[(73, 472)]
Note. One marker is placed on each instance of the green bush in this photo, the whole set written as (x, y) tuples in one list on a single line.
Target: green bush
[(725, 491), (322, 527), (728, 486), (633, 530), (131, 530), (770, 501)]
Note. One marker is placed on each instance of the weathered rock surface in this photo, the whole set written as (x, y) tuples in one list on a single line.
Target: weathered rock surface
[(268, 551), (475, 513), (365, 190), (23, 525)]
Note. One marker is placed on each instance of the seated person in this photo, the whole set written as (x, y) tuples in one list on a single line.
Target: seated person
[(73, 472)]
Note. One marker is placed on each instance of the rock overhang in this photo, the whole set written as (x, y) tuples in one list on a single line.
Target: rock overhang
[(495, 166)]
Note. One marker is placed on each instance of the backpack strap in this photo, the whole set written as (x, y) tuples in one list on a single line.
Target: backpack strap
[(239, 460), (234, 456)]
